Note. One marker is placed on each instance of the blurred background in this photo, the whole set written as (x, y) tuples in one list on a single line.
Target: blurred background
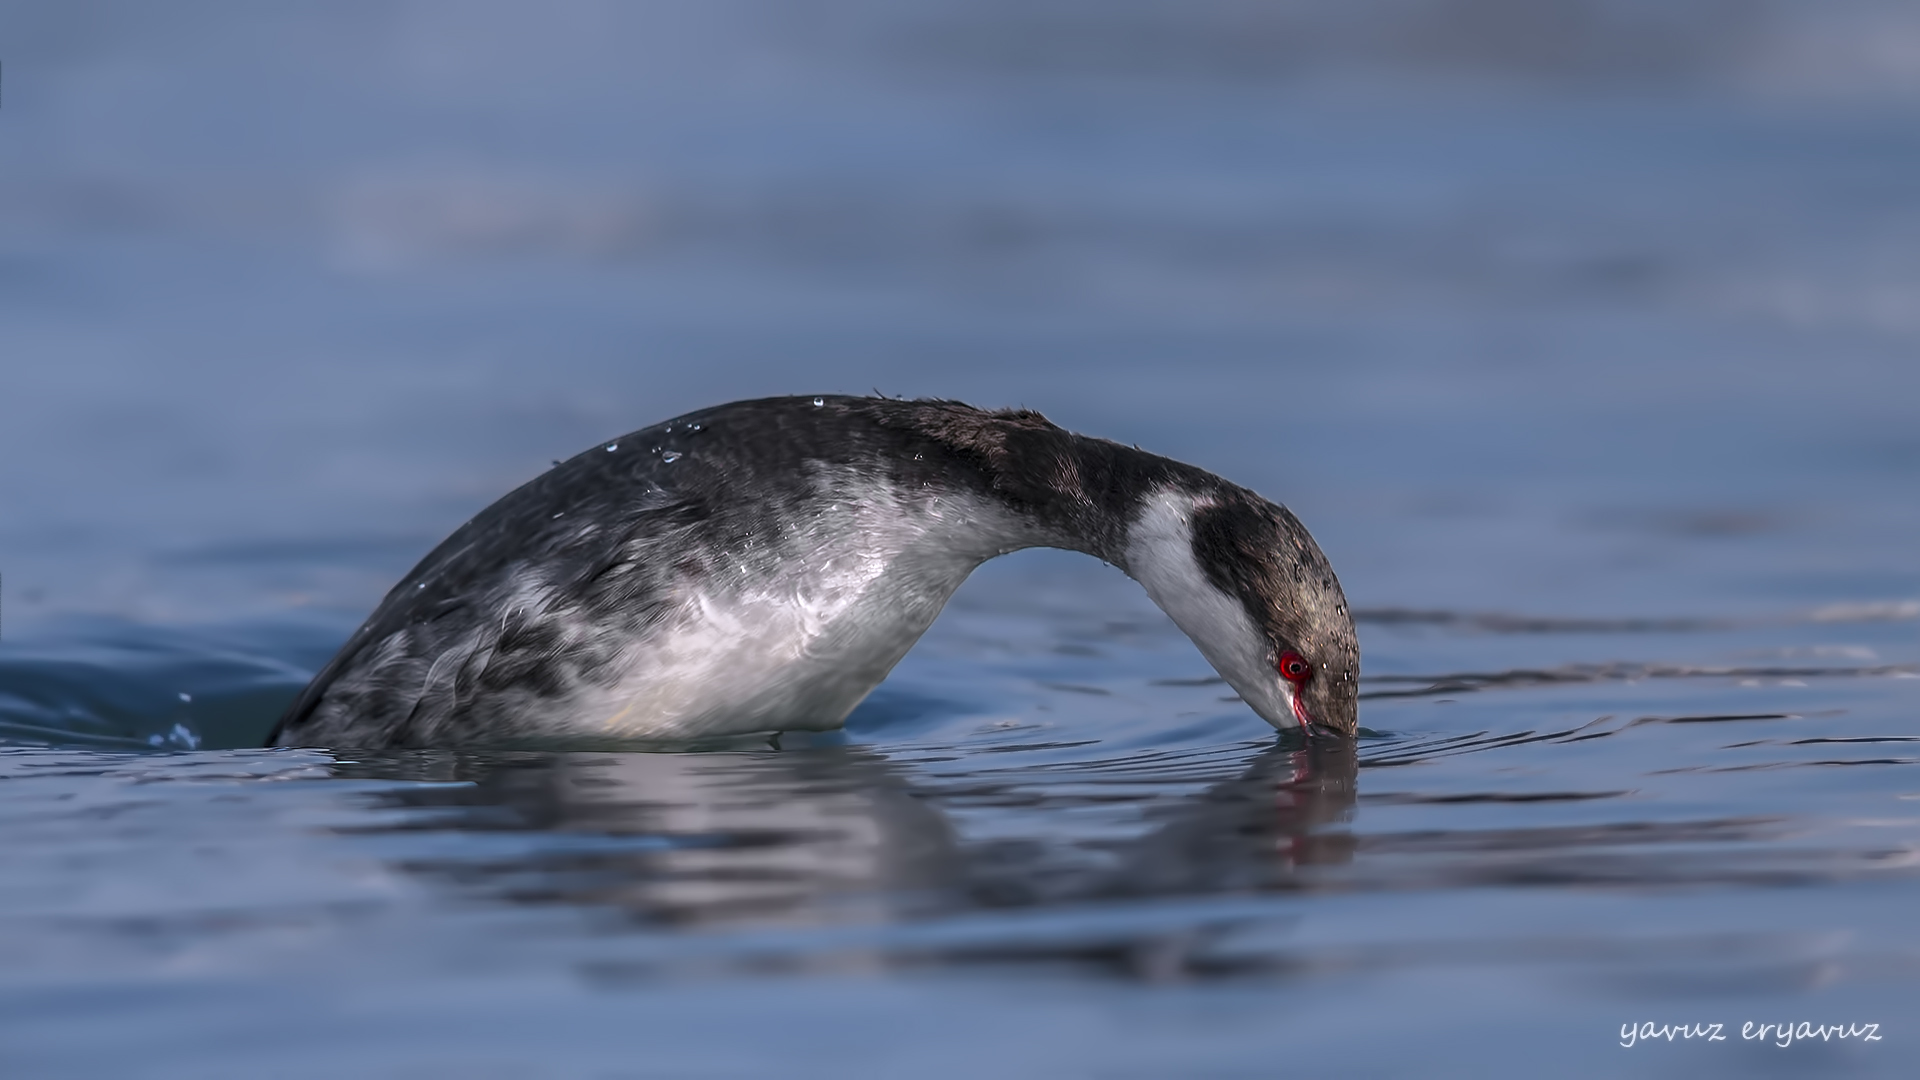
[(1512, 300), (1581, 333)]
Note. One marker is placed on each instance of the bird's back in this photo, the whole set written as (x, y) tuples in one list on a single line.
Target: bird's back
[(545, 596)]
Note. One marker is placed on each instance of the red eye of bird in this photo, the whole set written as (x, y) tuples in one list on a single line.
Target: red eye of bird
[(1293, 669)]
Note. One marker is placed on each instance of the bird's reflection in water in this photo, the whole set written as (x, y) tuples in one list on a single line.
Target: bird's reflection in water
[(818, 834), (1257, 831), (836, 834)]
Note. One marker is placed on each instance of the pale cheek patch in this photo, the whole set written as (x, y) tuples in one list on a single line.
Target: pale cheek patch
[(1160, 558)]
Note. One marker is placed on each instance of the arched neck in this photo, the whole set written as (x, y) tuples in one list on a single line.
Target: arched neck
[(1069, 491)]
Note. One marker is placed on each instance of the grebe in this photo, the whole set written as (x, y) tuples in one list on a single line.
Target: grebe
[(761, 566)]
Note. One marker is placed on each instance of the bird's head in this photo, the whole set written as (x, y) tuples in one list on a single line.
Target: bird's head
[(1242, 578)]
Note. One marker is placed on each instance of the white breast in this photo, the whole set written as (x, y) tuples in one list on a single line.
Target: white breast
[(797, 646)]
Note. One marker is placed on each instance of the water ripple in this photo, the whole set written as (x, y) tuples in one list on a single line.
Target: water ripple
[(1472, 682)]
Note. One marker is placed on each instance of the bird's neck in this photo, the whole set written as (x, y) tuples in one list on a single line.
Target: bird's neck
[(1071, 491), (1138, 512), (1161, 556)]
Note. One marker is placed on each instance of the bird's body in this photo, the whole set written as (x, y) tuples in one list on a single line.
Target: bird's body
[(761, 566)]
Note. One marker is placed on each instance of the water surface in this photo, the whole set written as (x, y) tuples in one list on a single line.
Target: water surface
[(1580, 334)]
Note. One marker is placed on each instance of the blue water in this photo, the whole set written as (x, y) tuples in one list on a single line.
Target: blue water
[(1583, 335)]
